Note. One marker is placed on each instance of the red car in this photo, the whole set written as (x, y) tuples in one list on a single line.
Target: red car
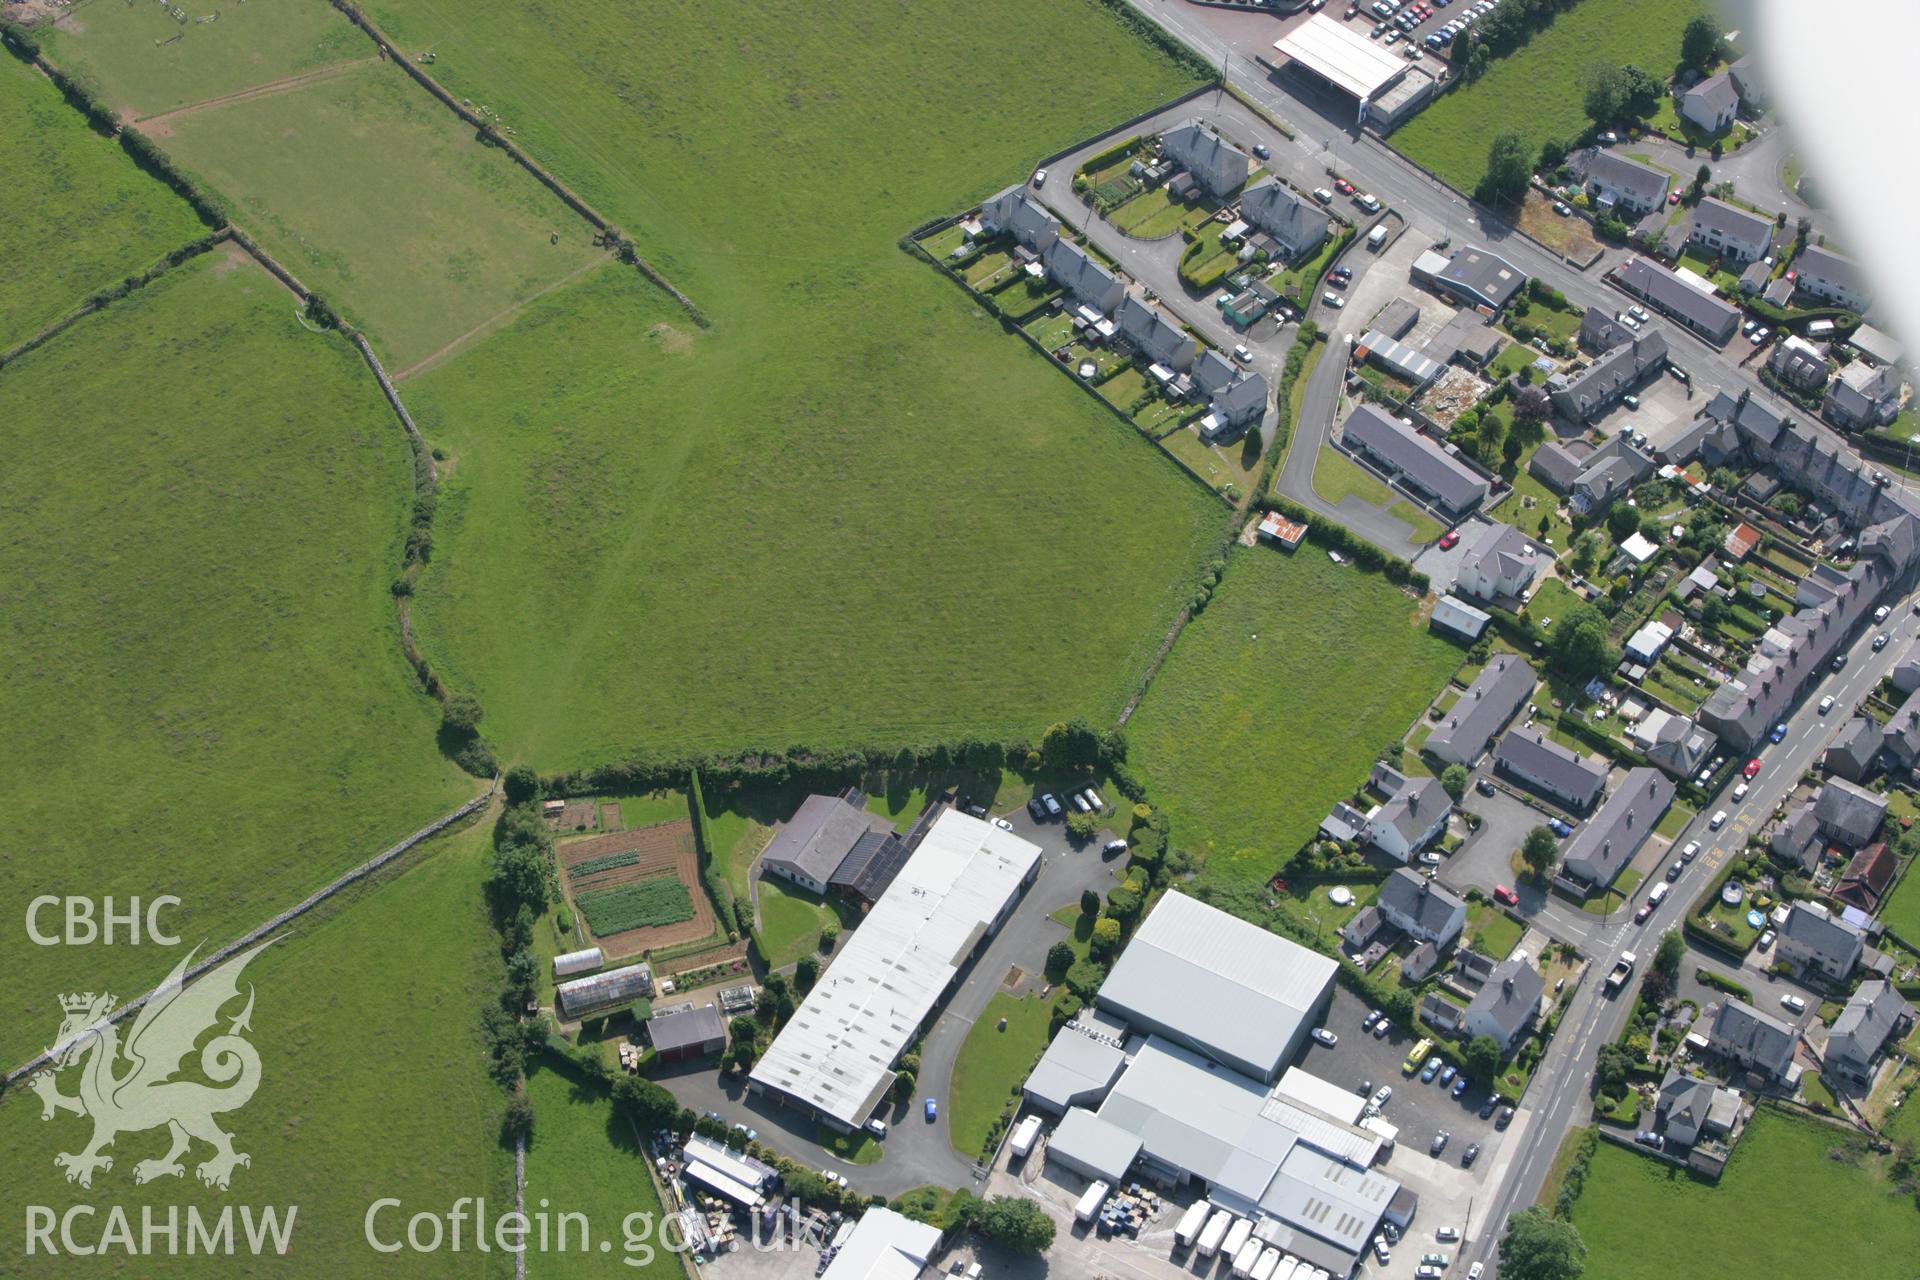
[(1505, 896), (1640, 916), (1344, 187), (1448, 539), (1673, 197), (1753, 767)]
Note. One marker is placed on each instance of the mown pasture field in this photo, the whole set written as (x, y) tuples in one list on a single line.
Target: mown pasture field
[(1797, 1196), (201, 511), (76, 213), (141, 60), (852, 510), (373, 1083), (379, 198), (1539, 89), (1275, 701)]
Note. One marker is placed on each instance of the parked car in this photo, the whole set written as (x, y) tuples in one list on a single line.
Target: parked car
[(1505, 896), (1779, 732), (1344, 187), (1039, 177), (1447, 1074), (1648, 1138), (1673, 872), (1740, 792), (1766, 940), (1323, 195), (1053, 806), (1460, 1087), (1752, 767), (1640, 916), (1384, 1096), (1559, 828), (1367, 202), (1639, 313), (1003, 824), (1449, 539), (1840, 661), (1381, 1028), (1880, 641), (1428, 1072), (1486, 1110), (1262, 150), (1439, 1143), (1380, 1250), (1826, 704), (1468, 1156), (1793, 1004), (1325, 1037), (1036, 810), (1373, 1016), (1474, 1271), (1243, 353), (1484, 786), (933, 1110), (1447, 1235), (1718, 820), (878, 1128), (1504, 1119)]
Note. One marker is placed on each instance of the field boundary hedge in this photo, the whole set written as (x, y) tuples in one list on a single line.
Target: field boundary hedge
[(489, 136), (99, 299)]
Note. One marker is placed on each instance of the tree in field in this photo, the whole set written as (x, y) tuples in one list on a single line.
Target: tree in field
[(1539, 1246), (1539, 852), (1454, 779), (521, 785), (1482, 1057), (1509, 166), (1059, 960), (1089, 902), (1672, 950), (1700, 43), (1580, 646), (518, 1121), (1603, 99), (1014, 1223)]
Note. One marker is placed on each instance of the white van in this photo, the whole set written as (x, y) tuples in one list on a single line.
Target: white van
[(1376, 238), (1658, 894)]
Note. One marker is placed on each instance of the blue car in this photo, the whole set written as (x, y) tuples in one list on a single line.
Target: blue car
[(1779, 732), (1432, 1070), (1460, 1086), (1559, 828), (933, 1110)]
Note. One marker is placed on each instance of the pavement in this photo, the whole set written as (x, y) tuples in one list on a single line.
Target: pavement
[(914, 1152)]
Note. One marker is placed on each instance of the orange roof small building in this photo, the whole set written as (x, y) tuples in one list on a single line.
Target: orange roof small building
[(1742, 540), (1279, 529)]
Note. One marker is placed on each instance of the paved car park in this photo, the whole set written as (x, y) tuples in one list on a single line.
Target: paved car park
[(1485, 858), (1418, 1110)]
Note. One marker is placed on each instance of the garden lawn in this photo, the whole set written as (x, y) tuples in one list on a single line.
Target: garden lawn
[(1491, 931), (1154, 214), (141, 61), (202, 509), (1274, 702), (1642, 1219), (1538, 90), (373, 1083), (76, 213), (379, 198), (584, 1159), (1901, 914), (991, 1065), (849, 411), (790, 920)]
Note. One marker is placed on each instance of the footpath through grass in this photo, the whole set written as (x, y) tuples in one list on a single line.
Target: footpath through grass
[(1274, 702), (202, 508), (851, 511), (76, 214), (1539, 90), (373, 1083), (1798, 1198)]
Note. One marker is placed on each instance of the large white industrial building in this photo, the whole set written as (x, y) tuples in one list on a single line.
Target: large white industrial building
[(835, 1056), (1216, 983)]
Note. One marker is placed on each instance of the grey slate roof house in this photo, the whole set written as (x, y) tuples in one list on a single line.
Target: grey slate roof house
[(1729, 231), (1600, 850), (1906, 672), (811, 847), (1500, 690), (1849, 813), (1623, 188), (1074, 270), (1598, 387), (1814, 938), (1832, 277), (1219, 168), (1711, 104), (1243, 401), (1016, 213), (1277, 209), (1796, 839), (1418, 460), (1481, 278), (1752, 1039), (1851, 753), (1506, 1006), (1566, 776), (1500, 564), (1799, 362), (1710, 317), (1673, 743), (1421, 909), (1875, 1015), (1900, 736), (1695, 1108), (1863, 395), (1157, 337)]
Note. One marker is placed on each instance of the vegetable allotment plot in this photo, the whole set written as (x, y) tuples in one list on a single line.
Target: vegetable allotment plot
[(655, 901), (202, 508), (633, 888), (378, 197), (1274, 701), (852, 510), (76, 214)]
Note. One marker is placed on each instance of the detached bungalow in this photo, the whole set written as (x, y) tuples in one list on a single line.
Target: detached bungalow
[(1419, 461)]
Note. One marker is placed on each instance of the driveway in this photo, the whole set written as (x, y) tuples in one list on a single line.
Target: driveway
[(916, 1153)]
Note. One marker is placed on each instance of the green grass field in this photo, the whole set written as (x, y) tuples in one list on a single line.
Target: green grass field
[(1539, 89), (372, 1084), (582, 1159), (76, 213), (1901, 914), (1273, 702), (790, 921), (378, 197), (991, 1064), (141, 61), (206, 695), (1785, 1206), (894, 523)]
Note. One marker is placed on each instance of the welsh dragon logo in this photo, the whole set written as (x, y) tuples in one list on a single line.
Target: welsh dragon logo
[(131, 1087)]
